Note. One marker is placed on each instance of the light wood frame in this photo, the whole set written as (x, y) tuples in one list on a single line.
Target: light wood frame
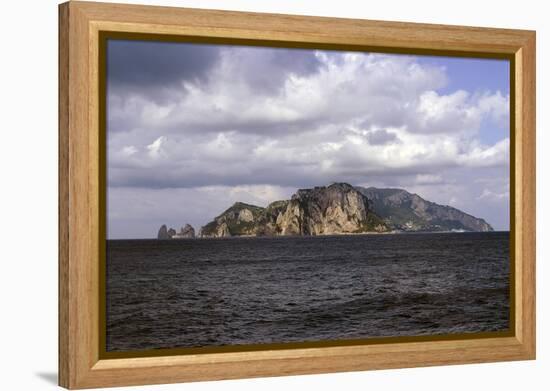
[(80, 165)]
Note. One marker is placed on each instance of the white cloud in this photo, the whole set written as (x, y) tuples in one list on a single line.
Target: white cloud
[(481, 156), (488, 194), (129, 150), (155, 148), (447, 113), (497, 106)]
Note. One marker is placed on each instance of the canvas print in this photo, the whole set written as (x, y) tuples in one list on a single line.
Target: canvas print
[(263, 195)]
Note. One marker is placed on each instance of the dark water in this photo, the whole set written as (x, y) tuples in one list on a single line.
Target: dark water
[(190, 293)]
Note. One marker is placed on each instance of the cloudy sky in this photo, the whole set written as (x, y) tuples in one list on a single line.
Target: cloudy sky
[(193, 128)]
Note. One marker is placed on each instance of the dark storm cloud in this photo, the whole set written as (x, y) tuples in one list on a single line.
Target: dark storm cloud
[(265, 71), (146, 72), (147, 64), (158, 64)]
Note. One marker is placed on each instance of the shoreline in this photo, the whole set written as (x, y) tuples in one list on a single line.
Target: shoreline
[(314, 236)]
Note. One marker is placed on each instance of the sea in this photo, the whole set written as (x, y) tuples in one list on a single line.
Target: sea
[(260, 290)]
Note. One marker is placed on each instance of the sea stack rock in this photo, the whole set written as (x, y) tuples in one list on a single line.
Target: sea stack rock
[(187, 232), (163, 233), (171, 233)]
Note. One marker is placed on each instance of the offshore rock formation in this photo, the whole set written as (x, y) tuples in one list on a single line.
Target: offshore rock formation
[(187, 232), (335, 209), (404, 211), (163, 233)]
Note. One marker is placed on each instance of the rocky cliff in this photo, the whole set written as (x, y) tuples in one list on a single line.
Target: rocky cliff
[(335, 209), (405, 211), (240, 219)]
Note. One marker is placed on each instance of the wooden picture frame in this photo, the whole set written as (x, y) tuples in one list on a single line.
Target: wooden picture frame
[(81, 203)]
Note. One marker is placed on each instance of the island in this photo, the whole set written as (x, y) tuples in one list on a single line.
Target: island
[(339, 208)]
